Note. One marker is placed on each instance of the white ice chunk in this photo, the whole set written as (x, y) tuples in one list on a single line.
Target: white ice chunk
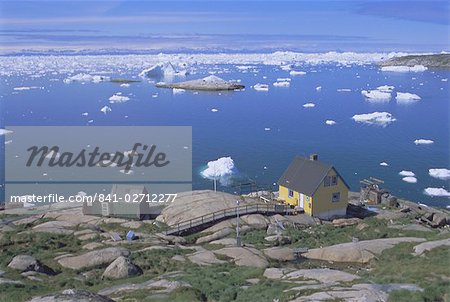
[(84, 77), (118, 98), (330, 122), (377, 118), (282, 84), (309, 105), (221, 167), (440, 173), (406, 97), (406, 173), (376, 95), (178, 91), (295, 73), (344, 90), (5, 132), (214, 110), (105, 109), (385, 88), (27, 88), (410, 179), (415, 68), (384, 164), (318, 88), (423, 141), (261, 87), (126, 85), (437, 192)]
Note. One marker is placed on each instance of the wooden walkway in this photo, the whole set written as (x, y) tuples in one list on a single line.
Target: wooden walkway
[(205, 221)]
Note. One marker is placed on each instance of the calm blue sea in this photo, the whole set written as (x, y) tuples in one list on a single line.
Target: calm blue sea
[(238, 128)]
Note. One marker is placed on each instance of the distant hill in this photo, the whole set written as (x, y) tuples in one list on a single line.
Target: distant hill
[(441, 61)]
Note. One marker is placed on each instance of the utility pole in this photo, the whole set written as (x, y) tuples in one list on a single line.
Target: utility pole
[(238, 238)]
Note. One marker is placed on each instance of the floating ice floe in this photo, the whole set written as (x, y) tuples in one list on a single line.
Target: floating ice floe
[(440, 173), (85, 114), (267, 129), (261, 87), (376, 95), (27, 88), (178, 91), (309, 105), (209, 83), (118, 98), (295, 73), (220, 169), (5, 132), (376, 118), (105, 109), (214, 110), (126, 85), (282, 84), (410, 179), (318, 88), (84, 77), (407, 97), (166, 69), (385, 88), (415, 68), (422, 141), (384, 164), (444, 80), (437, 192), (284, 79), (406, 173), (343, 90), (330, 122)]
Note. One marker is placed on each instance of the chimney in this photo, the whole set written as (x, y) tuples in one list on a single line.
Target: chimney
[(314, 157)]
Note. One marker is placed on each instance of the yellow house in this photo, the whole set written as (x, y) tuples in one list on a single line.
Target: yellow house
[(316, 187)]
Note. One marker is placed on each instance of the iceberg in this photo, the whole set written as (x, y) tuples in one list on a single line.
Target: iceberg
[(220, 169), (422, 141), (318, 88), (214, 110), (178, 90), (118, 98), (330, 122), (294, 73), (26, 88), (162, 70), (407, 97), (105, 109), (5, 132), (406, 173), (376, 118), (384, 164), (415, 68), (440, 173), (376, 95), (410, 179), (437, 192), (385, 88), (309, 105), (211, 83), (282, 84), (261, 87), (84, 77), (126, 85)]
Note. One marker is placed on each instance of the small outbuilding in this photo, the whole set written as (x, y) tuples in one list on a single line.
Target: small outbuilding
[(314, 186), (124, 201)]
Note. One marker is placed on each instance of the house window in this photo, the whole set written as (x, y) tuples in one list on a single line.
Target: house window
[(334, 180), (307, 198), (291, 193), (336, 197)]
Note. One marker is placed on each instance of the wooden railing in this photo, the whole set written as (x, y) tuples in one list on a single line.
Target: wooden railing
[(205, 220)]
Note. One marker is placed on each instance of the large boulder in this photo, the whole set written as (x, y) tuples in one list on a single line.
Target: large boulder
[(93, 258), (217, 235), (25, 263), (189, 205), (204, 257), (121, 268), (360, 252), (280, 253), (430, 245), (72, 295), (256, 221), (244, 256), (340, 222)]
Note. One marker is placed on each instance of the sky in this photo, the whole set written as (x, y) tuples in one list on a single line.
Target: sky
[(308, 26)]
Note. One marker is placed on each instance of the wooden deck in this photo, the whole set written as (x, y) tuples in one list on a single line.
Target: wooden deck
[(200, 223)]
